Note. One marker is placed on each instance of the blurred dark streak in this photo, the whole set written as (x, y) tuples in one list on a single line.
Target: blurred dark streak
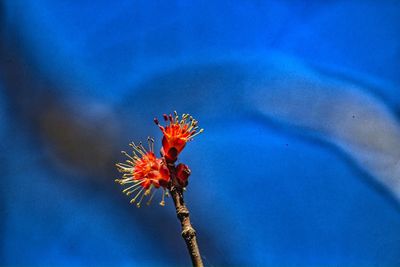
[(38, 107), (315, 139)]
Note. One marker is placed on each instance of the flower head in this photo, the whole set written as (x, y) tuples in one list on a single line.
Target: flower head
[(176, 134), (143, 172)]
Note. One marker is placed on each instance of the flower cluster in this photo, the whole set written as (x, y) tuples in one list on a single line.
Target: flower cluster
[(143, 172), (176, 134)]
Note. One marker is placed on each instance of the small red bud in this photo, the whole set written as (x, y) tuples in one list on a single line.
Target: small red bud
[(182, 174)]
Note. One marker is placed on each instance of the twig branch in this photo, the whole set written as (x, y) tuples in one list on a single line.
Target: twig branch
[(182, 212)]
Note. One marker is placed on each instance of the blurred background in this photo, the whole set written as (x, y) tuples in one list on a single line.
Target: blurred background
[(299, 164)]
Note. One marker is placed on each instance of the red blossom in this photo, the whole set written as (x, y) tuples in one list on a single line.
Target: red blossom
[(145, 171), (176, 134)]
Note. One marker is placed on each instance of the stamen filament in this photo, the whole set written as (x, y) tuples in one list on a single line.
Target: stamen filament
[(142, 147), (162, 203), (199, 132), (126, 154), (151, 197), (140, 201), (132, 186), (137, 148), (137, 195), (132, 191), (150, 142)]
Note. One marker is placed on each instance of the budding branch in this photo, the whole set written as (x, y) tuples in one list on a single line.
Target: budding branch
[(182, 212)]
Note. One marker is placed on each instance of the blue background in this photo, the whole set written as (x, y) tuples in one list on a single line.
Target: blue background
[(79, 80)]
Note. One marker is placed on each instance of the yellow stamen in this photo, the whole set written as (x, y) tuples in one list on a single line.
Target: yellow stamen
[(151, 197), (132, 186), (176, 116), (162, 203), (140, 201), (137, 195), (137, 148), (199, 132), (142, 147), (126, 154), (150, 142)]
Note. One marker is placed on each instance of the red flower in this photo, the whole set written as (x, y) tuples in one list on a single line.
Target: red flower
[(177, 134), (145, 171), (182, 174)]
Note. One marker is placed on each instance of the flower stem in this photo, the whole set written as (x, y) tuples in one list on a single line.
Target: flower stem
[(182, 212)]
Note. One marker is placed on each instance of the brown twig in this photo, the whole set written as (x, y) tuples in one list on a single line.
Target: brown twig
[(182, 212)]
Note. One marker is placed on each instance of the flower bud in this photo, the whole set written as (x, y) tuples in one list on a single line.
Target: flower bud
[(182, 174)]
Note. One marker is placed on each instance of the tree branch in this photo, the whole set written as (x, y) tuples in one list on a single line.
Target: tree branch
[(182, 212)]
